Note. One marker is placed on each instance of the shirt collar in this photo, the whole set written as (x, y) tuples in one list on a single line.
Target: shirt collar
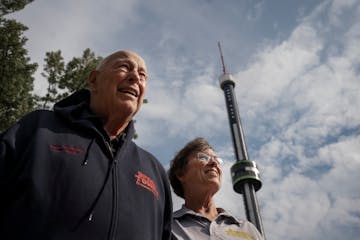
[(222, 214)]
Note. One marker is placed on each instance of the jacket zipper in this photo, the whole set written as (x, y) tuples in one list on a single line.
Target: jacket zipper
[(115, 203), (114, 215)]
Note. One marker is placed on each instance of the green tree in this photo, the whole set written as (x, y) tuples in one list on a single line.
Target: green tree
[(16, 81), (63, 81), (77, 71), (9, 6), (53, 72)]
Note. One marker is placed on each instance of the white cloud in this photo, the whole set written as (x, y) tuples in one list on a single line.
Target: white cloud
[(185, 107), (298, 97), (277, 67), (308, 101), (338, 9)]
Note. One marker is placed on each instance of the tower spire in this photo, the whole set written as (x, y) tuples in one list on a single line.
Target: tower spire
[(222, 58)]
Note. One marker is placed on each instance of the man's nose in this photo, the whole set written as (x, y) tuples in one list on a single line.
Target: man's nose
[(134, 76)]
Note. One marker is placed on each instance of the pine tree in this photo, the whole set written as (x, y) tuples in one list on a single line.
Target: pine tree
[(53, 72), (16, 81), (77, 71), (9, 6), (63, 81)]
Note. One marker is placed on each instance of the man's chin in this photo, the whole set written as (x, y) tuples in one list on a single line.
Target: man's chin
[(130, 108)]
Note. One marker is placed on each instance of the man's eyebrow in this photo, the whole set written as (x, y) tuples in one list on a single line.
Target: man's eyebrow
[(143, 69), (121, 60), (128, 60)]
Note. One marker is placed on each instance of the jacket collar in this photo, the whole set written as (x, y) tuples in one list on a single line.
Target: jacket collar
[(75, 109)]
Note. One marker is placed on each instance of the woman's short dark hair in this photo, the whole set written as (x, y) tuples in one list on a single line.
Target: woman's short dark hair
[(179, 162)]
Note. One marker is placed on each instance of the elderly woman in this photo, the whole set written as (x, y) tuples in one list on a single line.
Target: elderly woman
[(195, 175)]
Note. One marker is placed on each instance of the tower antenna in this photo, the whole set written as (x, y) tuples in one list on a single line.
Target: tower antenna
[(222, 58)]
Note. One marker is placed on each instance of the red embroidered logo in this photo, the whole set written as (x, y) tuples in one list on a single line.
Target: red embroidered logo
[(67, 149), (146, 182)]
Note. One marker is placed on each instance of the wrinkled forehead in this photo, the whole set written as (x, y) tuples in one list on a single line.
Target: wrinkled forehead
[(123, 55), (192, 154), (204, 149)]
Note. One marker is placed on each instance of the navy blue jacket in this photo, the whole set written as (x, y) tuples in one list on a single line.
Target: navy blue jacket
[(60, 179)]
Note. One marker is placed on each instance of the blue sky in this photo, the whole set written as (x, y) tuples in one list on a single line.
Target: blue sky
[(297, 71)]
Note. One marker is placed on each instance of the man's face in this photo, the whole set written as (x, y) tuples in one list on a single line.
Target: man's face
[(118, 86), (202, 174)]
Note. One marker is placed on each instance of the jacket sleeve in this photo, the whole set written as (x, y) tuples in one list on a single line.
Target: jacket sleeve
[(8, 166), (13, 143), (7, 155), (168, 211)]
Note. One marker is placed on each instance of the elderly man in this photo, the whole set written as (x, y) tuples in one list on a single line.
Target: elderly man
[(195, 176), (75, 173)]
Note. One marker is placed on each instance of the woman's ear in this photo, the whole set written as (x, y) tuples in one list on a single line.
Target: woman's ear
[(180, 176)]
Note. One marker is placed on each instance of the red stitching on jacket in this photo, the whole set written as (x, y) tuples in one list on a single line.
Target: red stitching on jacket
[(67, 149), (147, 183)]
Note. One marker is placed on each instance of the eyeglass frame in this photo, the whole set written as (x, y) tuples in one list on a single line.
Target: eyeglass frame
[(206, 157)]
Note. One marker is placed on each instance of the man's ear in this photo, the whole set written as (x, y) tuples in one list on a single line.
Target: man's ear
[(92, 79)]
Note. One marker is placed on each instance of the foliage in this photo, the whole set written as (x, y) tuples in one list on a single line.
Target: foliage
[(77, 71), (9, 6), (53, 72), (62, 81), (16, 81)]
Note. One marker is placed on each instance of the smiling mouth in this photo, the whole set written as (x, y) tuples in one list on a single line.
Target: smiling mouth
[(129, 91), (211, 170)]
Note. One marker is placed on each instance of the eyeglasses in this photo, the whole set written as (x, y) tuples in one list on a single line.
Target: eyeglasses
[(205, 157)]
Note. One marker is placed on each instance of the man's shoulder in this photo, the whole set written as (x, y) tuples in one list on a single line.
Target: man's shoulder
[(36, 115), (31, 120), (145, 154)]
